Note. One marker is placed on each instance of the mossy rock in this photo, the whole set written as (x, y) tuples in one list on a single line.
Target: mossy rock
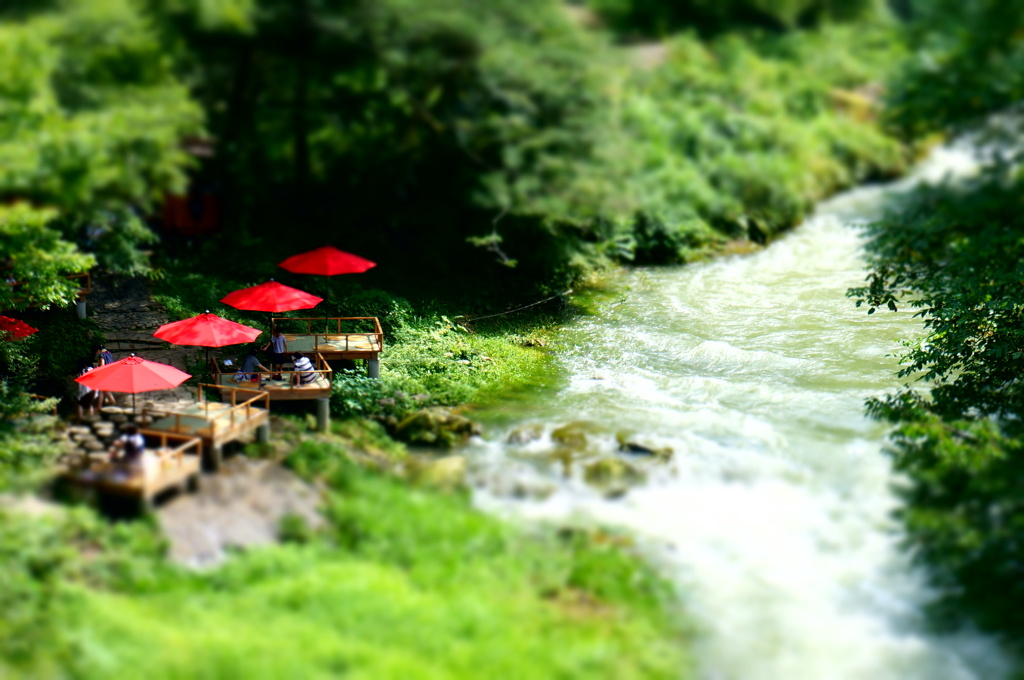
[(627, 444), (525, 434), (448, 473), (571, 436), (612, 475), (436, 426)]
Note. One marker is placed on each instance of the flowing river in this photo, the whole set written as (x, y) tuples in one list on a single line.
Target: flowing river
[(774, 514)]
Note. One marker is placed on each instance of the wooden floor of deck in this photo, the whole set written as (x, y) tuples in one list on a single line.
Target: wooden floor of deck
[(336, 346), (213, 428), (157, 476)]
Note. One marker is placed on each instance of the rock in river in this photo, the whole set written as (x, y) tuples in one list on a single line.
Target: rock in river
[(436, 426)]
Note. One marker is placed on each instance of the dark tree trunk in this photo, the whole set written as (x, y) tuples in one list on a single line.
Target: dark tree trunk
[(300, 114)]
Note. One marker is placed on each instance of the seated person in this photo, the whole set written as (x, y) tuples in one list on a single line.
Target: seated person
[(130, 461), (251, 367), (126, 452), (304, 374), (131, 435)]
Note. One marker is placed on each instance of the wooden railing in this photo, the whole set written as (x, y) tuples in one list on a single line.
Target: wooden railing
[(321, 368), (40, 397), (236, 406), (179, 451), (234, 410), (376, 333)]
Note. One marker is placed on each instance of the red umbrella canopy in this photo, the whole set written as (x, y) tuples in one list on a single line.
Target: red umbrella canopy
[(206, 330), (133, 374), (14, 329), (271, 297), (326, 261)]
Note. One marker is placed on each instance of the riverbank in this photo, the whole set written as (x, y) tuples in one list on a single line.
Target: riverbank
[(403, 581), (774, 516)]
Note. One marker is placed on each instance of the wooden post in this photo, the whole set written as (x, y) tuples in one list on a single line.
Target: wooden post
[(216, 455), (323, 414), (373, 368), (263, 433)]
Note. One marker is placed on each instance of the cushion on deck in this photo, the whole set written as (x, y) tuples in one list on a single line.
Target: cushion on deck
[(300, 343)]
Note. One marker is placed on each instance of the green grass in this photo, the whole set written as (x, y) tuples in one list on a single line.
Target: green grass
[(405, 583)]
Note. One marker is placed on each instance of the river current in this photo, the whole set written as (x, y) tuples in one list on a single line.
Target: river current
[(774, 515)]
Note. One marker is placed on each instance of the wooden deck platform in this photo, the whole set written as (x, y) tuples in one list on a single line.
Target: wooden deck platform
[(242, 412), (352, 337), (288, 388), (170, 461)]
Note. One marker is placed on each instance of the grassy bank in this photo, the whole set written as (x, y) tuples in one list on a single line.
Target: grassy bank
[(405, 582)]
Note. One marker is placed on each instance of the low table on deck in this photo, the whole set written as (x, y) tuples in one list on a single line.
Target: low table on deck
[(288, 388)]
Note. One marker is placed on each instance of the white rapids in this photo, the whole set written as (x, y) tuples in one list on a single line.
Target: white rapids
[(774, 516)]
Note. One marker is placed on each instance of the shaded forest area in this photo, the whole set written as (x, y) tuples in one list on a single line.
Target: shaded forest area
[(447, 139)]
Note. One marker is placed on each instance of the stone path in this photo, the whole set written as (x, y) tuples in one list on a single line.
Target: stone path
[(128, 316)]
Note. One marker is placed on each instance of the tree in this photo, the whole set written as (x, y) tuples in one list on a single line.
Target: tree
[(91, 123), (953, 253)]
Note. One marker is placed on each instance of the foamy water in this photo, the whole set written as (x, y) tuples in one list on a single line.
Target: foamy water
[(774, 515)]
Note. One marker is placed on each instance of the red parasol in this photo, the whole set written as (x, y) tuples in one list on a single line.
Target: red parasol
[(15, 329), (271, 297), (206, 330), (133, 374), (326, 261)]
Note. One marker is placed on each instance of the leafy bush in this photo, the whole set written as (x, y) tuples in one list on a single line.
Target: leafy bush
[(953, 254), (355, 395)]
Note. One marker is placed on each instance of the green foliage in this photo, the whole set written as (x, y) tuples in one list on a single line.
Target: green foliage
[(655, 18), (355, 395), (91, 123), (37, 260), (42, 556), (452, 365), (513, 148), (969, 62), (954, 255), (44, 361), (963, 515), (746, 135)]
